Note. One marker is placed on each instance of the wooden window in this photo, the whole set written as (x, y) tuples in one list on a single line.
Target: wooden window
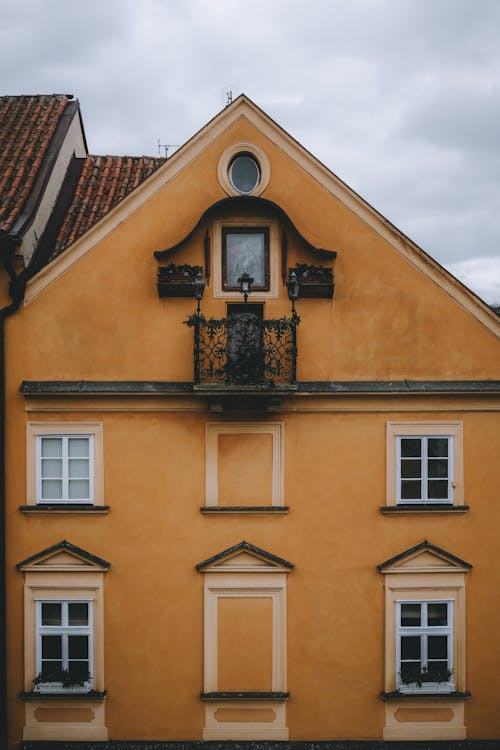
[(245, 250), (64, 469), (64, 646), (64, 465), (425, 465), (424, 646), (424, 469)]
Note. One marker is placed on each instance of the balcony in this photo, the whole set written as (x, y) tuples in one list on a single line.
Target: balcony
[(244, 350)]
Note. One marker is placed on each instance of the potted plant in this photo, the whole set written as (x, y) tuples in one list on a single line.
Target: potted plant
[(438, 680), (177, 281), (314, 281)]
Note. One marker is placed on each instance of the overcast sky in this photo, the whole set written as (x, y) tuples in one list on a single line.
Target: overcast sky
[(400, 98)]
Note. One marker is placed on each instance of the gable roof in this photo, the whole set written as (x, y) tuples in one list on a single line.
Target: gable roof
[(244, 107), (104, 181), (27, 127)]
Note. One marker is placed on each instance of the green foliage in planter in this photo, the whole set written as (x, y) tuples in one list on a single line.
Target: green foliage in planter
[(426, 675)]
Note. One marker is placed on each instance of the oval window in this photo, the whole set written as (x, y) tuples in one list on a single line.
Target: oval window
[(244, 173)]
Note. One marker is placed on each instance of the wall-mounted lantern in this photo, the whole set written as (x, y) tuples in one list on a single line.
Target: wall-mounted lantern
[(293, 286), (245, 281)]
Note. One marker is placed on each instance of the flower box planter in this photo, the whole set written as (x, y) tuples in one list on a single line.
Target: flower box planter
[(57, 688), (177, 281), (315, 282), (429, 688)]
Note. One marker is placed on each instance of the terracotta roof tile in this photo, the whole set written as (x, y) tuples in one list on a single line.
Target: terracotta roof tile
[(27, 125), (104, 182)]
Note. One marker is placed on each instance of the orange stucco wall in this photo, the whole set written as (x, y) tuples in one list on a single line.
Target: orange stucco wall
[(103, 320)]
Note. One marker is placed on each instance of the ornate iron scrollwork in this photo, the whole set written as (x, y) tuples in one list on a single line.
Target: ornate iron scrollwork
[(244, 350)]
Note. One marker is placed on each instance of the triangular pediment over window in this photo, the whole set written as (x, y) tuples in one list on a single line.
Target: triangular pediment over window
[(424, 558), (63, 557), (244, 558)]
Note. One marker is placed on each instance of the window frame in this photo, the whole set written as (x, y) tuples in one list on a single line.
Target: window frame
[(453, 430), (227, 231), (424, 631), (250, 222), (65, 479), (64, 630), (35, 431), (424, 475)]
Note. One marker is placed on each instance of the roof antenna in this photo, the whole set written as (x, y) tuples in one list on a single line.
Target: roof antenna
[(166, 146), (229, 93)]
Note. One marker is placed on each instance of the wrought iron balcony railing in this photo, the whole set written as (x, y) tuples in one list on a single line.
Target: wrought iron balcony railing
[(244, 350)]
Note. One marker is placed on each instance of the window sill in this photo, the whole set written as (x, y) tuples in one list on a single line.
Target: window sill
[(60, 508), (395, 695), (414, 509), (244, 696), (92, 695), (221, 510)]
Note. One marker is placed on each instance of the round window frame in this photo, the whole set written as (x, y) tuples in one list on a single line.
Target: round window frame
[(243, 149)]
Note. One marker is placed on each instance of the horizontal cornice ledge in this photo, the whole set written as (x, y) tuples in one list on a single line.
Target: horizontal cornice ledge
[(304, 388)]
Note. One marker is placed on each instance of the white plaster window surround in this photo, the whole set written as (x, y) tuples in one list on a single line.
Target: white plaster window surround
[(215, 429), (68, 576), (429, 583), (64, 464), (245, 572), (425, 464), (252, 223), (230, 155)]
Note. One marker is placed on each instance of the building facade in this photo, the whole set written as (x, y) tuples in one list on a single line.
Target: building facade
[(252, 466)]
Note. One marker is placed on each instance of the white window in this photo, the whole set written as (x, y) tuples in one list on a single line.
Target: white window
[(64, 469), (424, 465), (64, 646), (424, 646)]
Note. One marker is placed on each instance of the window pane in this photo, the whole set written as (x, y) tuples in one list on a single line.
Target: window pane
[(437, 647), (78, 647), (51, 670), (51, 468), (78, 613), (51, 646), (78, 447), (410, 647), (51, 613), (244, 173), (437, 447), (51, 489), (411, 614), (78, 489), (411, 468), (79, 670), (437, 467), (51, 447), (411, 447), (410, 489), (246, 253), (437, 489), (410, 670), (437, 671), (78, 468), (437, 614)]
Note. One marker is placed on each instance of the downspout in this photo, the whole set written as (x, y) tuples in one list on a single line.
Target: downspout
[(17, 286)]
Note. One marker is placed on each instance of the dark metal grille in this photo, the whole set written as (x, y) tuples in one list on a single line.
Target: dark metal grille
[(244, 350)]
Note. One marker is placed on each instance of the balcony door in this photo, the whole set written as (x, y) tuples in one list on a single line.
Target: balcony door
[(245, 345)]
